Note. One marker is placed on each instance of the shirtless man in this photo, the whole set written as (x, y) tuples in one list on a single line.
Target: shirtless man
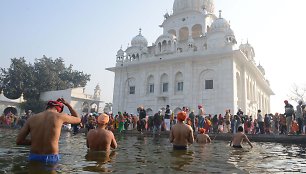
[(239, 137), (45, 130), (101, 139), (202, 138), (181, 134)]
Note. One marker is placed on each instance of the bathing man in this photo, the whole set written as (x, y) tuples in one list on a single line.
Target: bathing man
[(202, 138), (239, 137), (181, 134), (101, 139), (45, 130)]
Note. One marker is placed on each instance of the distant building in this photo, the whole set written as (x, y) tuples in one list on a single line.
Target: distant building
[(81, 102), (10, 105), (195, 61)]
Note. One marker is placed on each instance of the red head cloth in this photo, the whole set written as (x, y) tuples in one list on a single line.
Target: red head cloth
[(200, 106), (103, 119), (202, 130), (181, 116), (58, 105)]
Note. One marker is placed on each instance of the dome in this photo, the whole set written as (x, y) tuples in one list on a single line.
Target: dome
[(139, 40), (120, 52), (197, 5), (220, 24)]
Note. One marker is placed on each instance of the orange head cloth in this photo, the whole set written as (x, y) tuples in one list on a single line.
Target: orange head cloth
[(103, 119), (202, 130), (181, 116)]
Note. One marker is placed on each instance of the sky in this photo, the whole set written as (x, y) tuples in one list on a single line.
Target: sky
[(88, 34)]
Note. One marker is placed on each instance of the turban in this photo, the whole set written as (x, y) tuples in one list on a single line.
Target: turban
[(181, 116), (58, 105), (200, 106), (103, 119), (202, 130)]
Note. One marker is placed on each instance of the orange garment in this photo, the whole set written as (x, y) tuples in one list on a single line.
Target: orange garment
[(295, 126)]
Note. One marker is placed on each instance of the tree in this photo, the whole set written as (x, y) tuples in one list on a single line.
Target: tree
[(298, 93), (45, 74)]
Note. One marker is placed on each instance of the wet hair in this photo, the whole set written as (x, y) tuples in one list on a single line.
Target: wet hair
[(240, 129)]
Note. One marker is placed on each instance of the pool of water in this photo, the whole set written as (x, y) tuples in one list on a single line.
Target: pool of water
[(139, 154)]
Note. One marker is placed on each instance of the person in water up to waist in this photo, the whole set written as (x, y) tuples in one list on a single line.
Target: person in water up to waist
[(181, 134), (45, 130), (239, 137), (100, 139)]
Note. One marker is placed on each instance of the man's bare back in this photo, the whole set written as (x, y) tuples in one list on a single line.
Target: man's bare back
[(45, 130), (181, 134), (101, 139), (238, 139), (203, 139)]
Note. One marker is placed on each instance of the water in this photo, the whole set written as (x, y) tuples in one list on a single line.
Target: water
[(138, 154)]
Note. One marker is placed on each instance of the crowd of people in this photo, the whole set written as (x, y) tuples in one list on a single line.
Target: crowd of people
[(11, 120), (182, 126), (290, 122)]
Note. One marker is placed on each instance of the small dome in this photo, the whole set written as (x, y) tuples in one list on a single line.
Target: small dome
[(220, 24), (120, 52), (262, 70), (139, 40)]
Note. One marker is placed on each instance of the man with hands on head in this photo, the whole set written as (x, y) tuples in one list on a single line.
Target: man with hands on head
[(45, 129)]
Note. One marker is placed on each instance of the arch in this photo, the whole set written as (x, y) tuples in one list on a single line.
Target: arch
[(179, 82), (85, 107), (164, 82), (10, 109), (130, 85), (197, 31), (183, 34), (159, 47), (164, 46), (93, 107), (207, 81), (150, 84), (172, 32)]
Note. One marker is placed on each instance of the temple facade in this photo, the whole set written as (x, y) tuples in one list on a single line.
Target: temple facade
[(195, 61)]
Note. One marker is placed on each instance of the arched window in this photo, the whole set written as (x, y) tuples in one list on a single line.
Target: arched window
[(183, 34), (150, 85), (164, 83), (179, 81), (130, 86)]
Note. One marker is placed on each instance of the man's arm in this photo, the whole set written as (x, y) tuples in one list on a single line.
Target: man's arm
[(114, 142), (74, 118), (248, 141), (208, 139), (191, 137), (21, 138)]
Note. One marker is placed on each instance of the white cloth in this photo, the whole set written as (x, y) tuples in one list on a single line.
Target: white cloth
[(167, 123)]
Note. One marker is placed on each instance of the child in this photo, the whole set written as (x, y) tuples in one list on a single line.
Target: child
[(202, 138)]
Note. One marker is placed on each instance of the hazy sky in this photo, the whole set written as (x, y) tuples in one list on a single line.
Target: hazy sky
[(89, 33)]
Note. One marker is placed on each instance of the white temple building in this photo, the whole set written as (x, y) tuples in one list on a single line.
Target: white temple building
[(195, 61)]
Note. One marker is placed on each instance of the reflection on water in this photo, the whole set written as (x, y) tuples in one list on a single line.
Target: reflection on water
[(139, 154)]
